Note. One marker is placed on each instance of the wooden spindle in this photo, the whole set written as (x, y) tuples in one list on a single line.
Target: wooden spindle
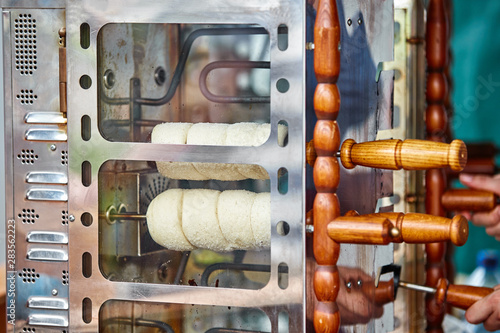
[(326, 167), (437, 127)]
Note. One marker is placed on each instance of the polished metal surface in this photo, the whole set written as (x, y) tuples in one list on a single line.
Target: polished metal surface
[(45, 134), (46, 194), (48, 320), (52, 303), (31, 39), (37, 177), (45, 118), (366, 108), (47, 237), (44, 254), (408, 114), (287, 106), (417, 287)]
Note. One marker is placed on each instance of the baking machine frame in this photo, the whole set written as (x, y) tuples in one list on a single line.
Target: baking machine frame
[(71, 247)]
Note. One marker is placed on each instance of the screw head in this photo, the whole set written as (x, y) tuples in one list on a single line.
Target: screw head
[(360, 283), (348, 285), (71, 218), (360, 21), (54, 292), (53, 147), (349, 22)]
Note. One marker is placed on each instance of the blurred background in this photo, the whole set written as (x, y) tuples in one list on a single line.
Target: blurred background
[(476, 96)]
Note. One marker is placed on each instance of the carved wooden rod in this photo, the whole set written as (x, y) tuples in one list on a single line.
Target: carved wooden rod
[(326, 167), (437, 124)]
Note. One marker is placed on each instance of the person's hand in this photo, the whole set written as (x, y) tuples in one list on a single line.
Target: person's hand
[(355, 306), (486, 311), (491, 219)]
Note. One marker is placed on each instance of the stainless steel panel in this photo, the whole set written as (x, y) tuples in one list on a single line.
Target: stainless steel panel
[(366, 105), (287, 106), (31, 67)]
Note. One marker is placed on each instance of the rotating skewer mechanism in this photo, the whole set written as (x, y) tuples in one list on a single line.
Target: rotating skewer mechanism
[(459, 296)]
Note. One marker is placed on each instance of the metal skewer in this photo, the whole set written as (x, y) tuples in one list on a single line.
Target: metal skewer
[(417, 287)]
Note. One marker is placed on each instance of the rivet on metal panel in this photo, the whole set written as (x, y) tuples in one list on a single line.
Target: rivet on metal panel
[(360, 21), (160, 76), (53, 147), (54, 292), (71, 218), (109, 79), (349, 22)]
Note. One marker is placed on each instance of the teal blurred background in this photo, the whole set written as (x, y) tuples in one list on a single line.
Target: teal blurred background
[(476, 95)]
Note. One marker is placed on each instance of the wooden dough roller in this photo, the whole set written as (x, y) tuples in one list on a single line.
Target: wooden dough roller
[(184, 220), (240, 134)]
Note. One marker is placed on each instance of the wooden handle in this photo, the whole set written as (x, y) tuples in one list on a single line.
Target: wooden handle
[(418, 228), (483, 166), (383, 294), (469, 200), (362, 230), (408, 154), (326, 42), (481, 150), (459, 296)]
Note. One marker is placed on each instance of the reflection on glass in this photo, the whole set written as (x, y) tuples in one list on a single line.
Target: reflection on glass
[(155, 73)]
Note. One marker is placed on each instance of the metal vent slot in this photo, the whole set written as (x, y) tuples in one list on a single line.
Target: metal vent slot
[(28, 216), (45, 134), (27, 156), (25, 44), (48, 320), (47, 194), (26, 97), (51, 303), (65, 278), (64, 217), (42, 254), (44, 117), (37, 177), (64, 157), (28, 275), (48, 237)]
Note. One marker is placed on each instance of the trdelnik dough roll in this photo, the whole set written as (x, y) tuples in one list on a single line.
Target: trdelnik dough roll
[(184, 220), (239, 134)]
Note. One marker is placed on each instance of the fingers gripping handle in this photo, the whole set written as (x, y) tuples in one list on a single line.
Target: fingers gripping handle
[(470, 200), (409, 154), (459, 296)]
